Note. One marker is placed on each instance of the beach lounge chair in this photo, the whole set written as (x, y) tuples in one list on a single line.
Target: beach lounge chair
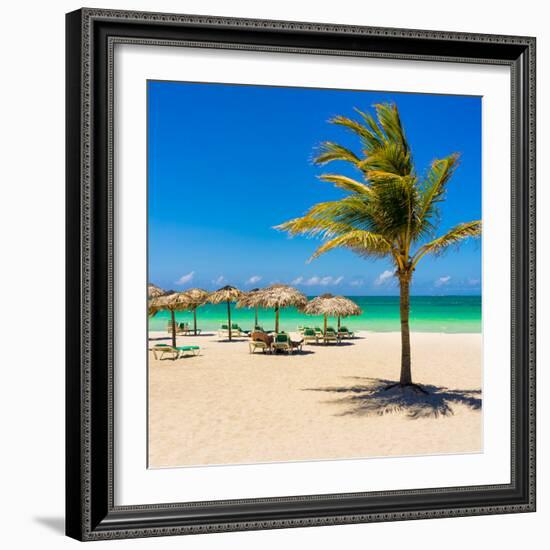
[(253, 345), (160, 350), (169, 327), (310, 336), (181, 328), (223, 331), (238, 331), (297, 344), (282, 342), (184, 328), (260, 340), (331, 336), (318, 331), (344, 332)]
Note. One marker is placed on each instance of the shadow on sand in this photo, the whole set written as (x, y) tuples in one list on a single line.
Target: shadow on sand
[(179, 335), (343, 343), (370, 396)]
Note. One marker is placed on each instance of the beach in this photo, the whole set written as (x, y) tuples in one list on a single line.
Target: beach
[(227, 406)]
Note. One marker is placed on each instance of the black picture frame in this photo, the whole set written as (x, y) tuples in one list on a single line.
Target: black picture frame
[(90, 510)]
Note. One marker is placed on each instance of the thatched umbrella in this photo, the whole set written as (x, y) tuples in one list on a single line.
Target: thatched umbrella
[(249, 299), (279, 296), (153, 291), (349, 308), (194, 297), (333, 306), (169, 302), (226, 294)]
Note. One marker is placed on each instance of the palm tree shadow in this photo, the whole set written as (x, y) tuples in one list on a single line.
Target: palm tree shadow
[(371, 396)]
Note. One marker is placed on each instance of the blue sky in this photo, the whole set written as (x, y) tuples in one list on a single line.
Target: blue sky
[(226, 163)]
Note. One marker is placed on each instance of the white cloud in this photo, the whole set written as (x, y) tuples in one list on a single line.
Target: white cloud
[(219, 280), (442, 281), (316, 280), (474, 282), (357, 282), (384, 277), (184, 279), (253, 280)]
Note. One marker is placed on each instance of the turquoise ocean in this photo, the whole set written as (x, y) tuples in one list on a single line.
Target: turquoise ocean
[(451, 314)]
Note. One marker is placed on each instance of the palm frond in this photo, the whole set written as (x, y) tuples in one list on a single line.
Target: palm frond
[(393, 202), (348, 184), (370, 135), (391, 158), (390, 121), (372, 125), (312, 227), (364, 243), (454, 236), (330, 151), (331, 218), (434, 186)]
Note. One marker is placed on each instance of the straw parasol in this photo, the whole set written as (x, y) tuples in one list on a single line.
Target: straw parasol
[(349, 308), (249, 299), (153, 291), (226, 294), (279, 296), (193, 298), (333, 306), (169, 302)]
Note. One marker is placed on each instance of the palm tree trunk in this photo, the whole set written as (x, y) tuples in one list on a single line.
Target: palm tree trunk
[(229, 319), (195, 320), (404, 310), (276, 320), (173, 319)]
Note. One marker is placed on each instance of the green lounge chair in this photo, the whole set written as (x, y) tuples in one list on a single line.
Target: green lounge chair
[(238, 331), (180, 327), (175, 353), (282, 342), (345, 333), (310, 336), (184, 328), (331, 336)]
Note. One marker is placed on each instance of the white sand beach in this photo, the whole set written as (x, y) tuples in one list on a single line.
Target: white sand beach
[(227, 406)]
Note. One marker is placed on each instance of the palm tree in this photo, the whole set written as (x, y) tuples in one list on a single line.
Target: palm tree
[(393, 213)]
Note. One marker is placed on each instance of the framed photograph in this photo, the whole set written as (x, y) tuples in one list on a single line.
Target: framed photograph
[(300, 274)]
